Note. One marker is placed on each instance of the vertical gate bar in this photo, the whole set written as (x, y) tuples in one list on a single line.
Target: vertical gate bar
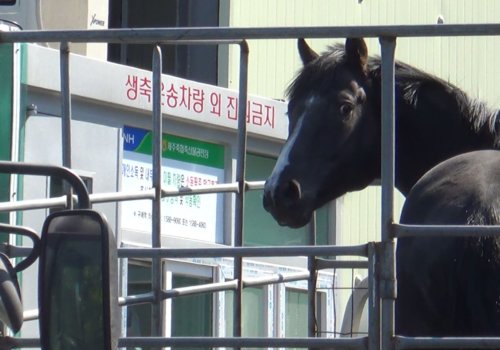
[(373, 300), (65, 104), (388, 273), (65, 117), (240, 178), (388, 46), (123, 264), (156, 273), (311, 281), (125, 24)]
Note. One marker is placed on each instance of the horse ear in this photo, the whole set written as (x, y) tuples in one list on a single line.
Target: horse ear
[(306, 53), (356, 52)]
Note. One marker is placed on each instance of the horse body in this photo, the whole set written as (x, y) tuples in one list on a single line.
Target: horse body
[(334, 147), (449, 286)]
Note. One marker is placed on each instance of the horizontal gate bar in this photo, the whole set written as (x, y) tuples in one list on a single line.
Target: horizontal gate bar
[(211, 342), (356, 250), (447, 343), (445, 230), (213, 35), (213, 287), (129, 195), (50, 170), (340, 264), (233, 285), (30, 204), (356, 343)]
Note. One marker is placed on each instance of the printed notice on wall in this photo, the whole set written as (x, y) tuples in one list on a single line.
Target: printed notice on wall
[(185, 163)]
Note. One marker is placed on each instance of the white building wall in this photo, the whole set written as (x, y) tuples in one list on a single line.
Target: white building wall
[(467, 62)]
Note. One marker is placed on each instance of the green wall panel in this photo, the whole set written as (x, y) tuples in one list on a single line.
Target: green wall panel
[(6, 58)]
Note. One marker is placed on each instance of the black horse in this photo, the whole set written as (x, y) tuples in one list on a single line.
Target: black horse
[(334, 143), (451, 286)]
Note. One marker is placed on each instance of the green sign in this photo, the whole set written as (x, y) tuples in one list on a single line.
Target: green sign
[(175, 147)]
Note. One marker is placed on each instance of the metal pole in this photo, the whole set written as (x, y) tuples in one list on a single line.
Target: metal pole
[(401, 230), (156, 273), (214, 35), (373, 299), (447, 343), (311, 281), (124, 47), (50, 170), (240, 178), (65, 105), (211, 342), (388, 268), (65, 116), (236, 343), (144, 253)]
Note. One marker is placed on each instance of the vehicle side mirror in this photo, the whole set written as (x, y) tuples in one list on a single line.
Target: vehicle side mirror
[(78, 282)]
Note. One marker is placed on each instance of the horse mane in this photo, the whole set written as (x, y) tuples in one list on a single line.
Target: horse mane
[(414, 84), (481, 116)]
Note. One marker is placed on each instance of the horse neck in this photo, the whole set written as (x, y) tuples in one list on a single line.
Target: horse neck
[(436, 121)]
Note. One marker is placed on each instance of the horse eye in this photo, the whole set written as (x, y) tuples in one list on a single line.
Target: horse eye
[(346, 109)]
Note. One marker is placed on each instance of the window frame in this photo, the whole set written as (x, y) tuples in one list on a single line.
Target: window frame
[(188, 269)]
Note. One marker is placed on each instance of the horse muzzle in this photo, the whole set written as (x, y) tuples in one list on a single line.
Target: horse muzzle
[(285, 201)]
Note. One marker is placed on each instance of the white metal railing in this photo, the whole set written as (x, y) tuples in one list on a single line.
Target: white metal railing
[(381, 263)]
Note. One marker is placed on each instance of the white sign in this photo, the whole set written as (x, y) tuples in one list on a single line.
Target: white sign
[(181, 98), (196, 216)]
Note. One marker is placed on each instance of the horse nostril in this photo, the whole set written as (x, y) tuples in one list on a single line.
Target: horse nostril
[(267, 201), (280, 198), (292, 191)]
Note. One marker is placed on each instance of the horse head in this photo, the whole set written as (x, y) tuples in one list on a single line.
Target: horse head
[(333, 144)]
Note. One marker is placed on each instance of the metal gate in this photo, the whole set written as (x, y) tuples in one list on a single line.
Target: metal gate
[(381, 260)]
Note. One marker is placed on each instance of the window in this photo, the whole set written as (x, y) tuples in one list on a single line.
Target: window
[(139, 316), (7, 2), (260, 227), (189, 315), (296, 308), (254, 314), (195, 62), (296, 311), (192, 315)]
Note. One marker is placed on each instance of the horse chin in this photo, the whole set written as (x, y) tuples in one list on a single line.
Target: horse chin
[(293, 219), (294, 224)]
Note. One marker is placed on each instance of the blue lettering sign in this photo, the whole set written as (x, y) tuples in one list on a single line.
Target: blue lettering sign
[(132, 138)]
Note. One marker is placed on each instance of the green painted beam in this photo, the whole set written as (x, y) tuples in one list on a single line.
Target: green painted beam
[(6, 59)]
